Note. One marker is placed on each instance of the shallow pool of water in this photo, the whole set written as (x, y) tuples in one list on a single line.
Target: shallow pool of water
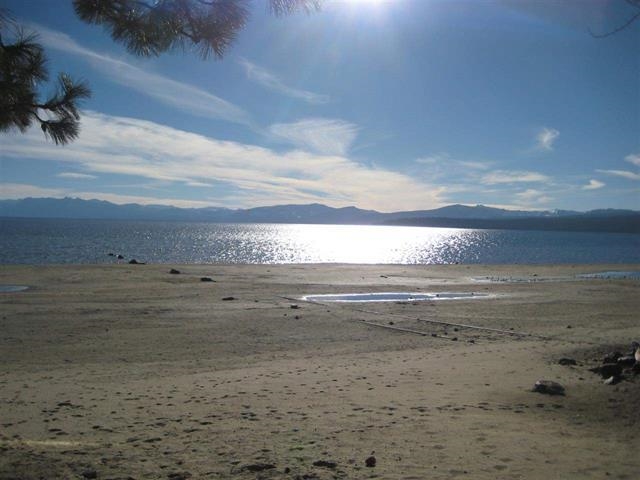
[(613, 275), (391, 297), (12, 288)]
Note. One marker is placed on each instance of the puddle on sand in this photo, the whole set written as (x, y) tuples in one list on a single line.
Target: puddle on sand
[(391, 297), (12, 288)]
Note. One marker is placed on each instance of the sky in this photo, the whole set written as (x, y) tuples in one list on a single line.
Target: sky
[(382, 104)]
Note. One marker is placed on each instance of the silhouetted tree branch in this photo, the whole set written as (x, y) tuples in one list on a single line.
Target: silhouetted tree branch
[(22, 70), (635, 4), (149, 28)]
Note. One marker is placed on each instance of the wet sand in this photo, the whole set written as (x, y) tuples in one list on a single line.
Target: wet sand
[(127, 371)]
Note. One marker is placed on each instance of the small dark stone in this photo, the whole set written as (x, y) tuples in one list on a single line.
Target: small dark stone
[(608, 370), (179, 476), (569, 326), (294, 307), (567, 361), (257, 467), (90, 473), (325, 463), (226, 299), (548, 387), (173, 271), (133, 261), (287, 470), (111, 254), (370, 461), (206, 279), (391, 322), (120, 257)]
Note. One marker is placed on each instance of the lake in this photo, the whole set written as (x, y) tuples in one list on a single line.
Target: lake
[(52, 241)]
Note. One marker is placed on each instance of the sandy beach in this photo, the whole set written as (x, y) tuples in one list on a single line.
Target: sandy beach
[(130, 372)]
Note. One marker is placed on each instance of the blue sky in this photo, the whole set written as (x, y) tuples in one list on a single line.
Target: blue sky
[(382, 104)]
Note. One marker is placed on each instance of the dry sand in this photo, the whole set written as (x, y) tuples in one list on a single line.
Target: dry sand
[(120, 372)]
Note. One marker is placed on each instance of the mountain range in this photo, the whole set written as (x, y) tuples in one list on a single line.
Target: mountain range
[(453, 216)]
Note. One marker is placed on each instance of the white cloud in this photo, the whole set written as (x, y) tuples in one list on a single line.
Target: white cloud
[(533, 197), (269, 80), (76, 176), (254, 175), (321, 135), (593, 185), (621, 173), (546, 138), (175, 94), (14, 191), (512, 176), (633, 158)]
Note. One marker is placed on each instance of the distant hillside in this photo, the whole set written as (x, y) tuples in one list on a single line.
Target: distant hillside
[(454, 216)]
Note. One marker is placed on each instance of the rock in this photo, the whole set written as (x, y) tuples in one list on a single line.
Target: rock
[(257, 467), (548, 387), (133, 261), (325, 463), (608, 370), (226, 299), (173, 271), (567, 361), (370, 461), (627, 361), (612, 380), (120, 257), (89, 473), (179, 476), (636, 369), (294, 307), (206, 279), (111, 254), (611, 357)]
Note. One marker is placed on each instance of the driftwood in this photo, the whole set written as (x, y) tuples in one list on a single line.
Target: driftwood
[(436, 322)]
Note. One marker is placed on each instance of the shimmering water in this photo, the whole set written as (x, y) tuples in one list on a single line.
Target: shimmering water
[(46, 241)]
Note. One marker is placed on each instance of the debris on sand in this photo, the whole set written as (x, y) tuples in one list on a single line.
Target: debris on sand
[(548, 387)]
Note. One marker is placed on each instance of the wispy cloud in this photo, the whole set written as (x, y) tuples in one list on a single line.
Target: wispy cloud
[(250, 175), (76, 176), (14, 191), (546, 138), (271, 81), (593, 185), (512, 176), (320, 135), (633, 158), (533, 197), (179, 95), (621, 173)]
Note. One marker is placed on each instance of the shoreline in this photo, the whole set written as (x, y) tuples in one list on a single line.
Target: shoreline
[(129, 371)]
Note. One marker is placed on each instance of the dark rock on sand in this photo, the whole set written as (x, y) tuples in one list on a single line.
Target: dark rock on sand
[(325, 463), (548, 387), (611, 357), (627, 361), (226, 299), (608, 370), (567, 361), (133, 261), (370, 461), (179, 476), (89, 473), (612, 380), (257, 467), (173, 271), (120, 257), (206, 279)]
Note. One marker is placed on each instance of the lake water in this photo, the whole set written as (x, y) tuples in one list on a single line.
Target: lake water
[(48, 241)]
